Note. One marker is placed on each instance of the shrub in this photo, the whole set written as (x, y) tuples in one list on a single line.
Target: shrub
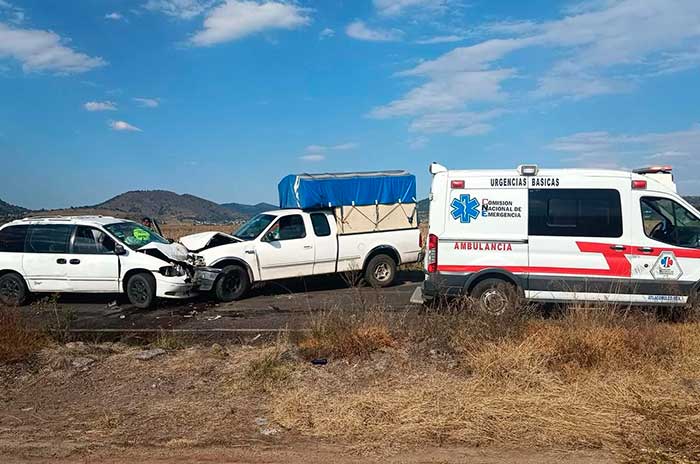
[(18, 342)]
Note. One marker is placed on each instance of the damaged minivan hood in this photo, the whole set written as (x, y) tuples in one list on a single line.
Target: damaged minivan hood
[(174, 251), (204, 240)]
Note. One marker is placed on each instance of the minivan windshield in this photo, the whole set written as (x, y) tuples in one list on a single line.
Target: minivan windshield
[(134, 235), (251, 229)]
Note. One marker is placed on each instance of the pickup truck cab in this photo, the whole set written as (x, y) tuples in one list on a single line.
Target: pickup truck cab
[(295, 243)]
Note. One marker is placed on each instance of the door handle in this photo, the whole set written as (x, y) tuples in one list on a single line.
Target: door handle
[(618, 247), (645, 249), (61, 261), (250, 252), (307, 247), (75, 261)]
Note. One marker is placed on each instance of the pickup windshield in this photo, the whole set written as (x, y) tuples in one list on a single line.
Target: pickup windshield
[(251, 229), (134, 235)]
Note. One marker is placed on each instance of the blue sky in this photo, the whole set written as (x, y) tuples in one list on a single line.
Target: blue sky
[(222, 98)]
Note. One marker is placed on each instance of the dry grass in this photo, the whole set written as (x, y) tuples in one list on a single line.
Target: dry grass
[(587, 379), (176, 230), (18, 342)]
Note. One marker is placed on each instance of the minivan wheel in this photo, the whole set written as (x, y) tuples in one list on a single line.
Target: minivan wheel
[(232, 284), (13, 290), (494, 296), (141, 290), (381, 271)]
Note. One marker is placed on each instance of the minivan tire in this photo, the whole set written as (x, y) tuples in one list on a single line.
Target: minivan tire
[(141, 290), (232, 284), (494, 296), (13, 290), (380, 271)]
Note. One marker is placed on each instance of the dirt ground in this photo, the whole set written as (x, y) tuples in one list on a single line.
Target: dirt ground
[(99, 403)]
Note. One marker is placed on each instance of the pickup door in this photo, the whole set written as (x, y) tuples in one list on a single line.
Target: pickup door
[(325, 242), (287, 249)]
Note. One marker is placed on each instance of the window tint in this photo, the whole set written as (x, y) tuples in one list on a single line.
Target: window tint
[(321, 226), (92, 241), (575, 212), (12, 238), (669, 222), (50, 238), (287, 228)]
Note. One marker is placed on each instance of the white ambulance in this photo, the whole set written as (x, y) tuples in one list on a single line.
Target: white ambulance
[(561, 235)]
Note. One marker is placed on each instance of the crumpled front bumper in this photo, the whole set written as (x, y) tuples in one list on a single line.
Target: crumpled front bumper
[(204, 278)]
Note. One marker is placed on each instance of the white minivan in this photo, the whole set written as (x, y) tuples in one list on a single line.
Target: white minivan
[(561, 235), (95, 254)]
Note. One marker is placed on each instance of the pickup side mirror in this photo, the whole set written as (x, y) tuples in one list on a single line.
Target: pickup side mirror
[(119, 249)]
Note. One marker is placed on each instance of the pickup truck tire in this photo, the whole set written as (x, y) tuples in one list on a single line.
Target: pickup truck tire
[(141, 290), (494, 296), (232, 284), (380, 271), (13, 290)]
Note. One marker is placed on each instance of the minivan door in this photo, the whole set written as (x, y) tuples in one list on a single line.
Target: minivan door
[(45, 261), (93, 266), (666, 260), (578, 248)]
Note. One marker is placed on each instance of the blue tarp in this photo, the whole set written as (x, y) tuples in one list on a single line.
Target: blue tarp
[(310, 191)]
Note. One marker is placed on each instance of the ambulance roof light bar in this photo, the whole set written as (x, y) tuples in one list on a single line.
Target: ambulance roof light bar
[(528, 169), (654, 170)]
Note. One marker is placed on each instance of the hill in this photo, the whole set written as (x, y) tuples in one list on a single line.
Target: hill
[(9, 211), (249, 210)]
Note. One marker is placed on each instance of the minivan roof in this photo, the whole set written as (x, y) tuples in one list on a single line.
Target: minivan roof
[(81, 220)]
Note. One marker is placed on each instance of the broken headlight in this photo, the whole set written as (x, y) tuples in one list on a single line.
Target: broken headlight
[(175, 270), (196, 260)]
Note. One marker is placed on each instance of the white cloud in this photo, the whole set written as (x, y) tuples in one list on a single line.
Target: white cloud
[(236, 19), (440, 39), (115, 16), (457, 123), (123, 126), (327, 33), (602, 47), (678, 148), (182, 9), (39, 50), (14, 14), (313, 157), (360, 31), (100, 106), (147, 102), (418, 143), (398, 7)]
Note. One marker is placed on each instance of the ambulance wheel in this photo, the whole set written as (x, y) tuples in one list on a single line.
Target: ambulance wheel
[(494, 296), (232, 284), (380, 271)]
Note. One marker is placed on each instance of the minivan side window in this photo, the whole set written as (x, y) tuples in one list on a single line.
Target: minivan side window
[(669, 222), (320, 223), (89, 240), (287, 228), (12, 239), (575, 213), (48, 238)]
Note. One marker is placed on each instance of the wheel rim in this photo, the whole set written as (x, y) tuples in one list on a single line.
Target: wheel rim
[(494, 301), (231, 283), (10, 290), (382, 272), (139, 291)]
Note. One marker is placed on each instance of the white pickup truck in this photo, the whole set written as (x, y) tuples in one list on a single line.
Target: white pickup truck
[(294, 243)]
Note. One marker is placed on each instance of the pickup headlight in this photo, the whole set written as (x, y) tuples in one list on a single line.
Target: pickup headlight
[(173, 271)]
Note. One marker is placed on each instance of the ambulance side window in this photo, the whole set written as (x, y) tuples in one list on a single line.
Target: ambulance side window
[(669, 222), (575, 213)]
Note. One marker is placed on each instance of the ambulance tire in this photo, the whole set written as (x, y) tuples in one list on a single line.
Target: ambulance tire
[(494, 296), (380, 271)]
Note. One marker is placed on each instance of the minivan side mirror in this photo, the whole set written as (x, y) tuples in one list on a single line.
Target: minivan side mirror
[(119, 249)]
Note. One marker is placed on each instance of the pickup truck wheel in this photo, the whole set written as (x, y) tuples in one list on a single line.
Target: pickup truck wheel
[(232, 284), (494, 296), (380, 271), (13, 290), (141, 290)]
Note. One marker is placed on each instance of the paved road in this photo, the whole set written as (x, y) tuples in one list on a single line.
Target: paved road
[(282, 305)]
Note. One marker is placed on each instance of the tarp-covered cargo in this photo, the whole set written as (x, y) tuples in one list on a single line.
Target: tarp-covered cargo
[(375, 218), (314, 191)]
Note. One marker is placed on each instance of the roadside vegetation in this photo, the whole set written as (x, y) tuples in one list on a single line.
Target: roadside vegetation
[(620, 380)]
